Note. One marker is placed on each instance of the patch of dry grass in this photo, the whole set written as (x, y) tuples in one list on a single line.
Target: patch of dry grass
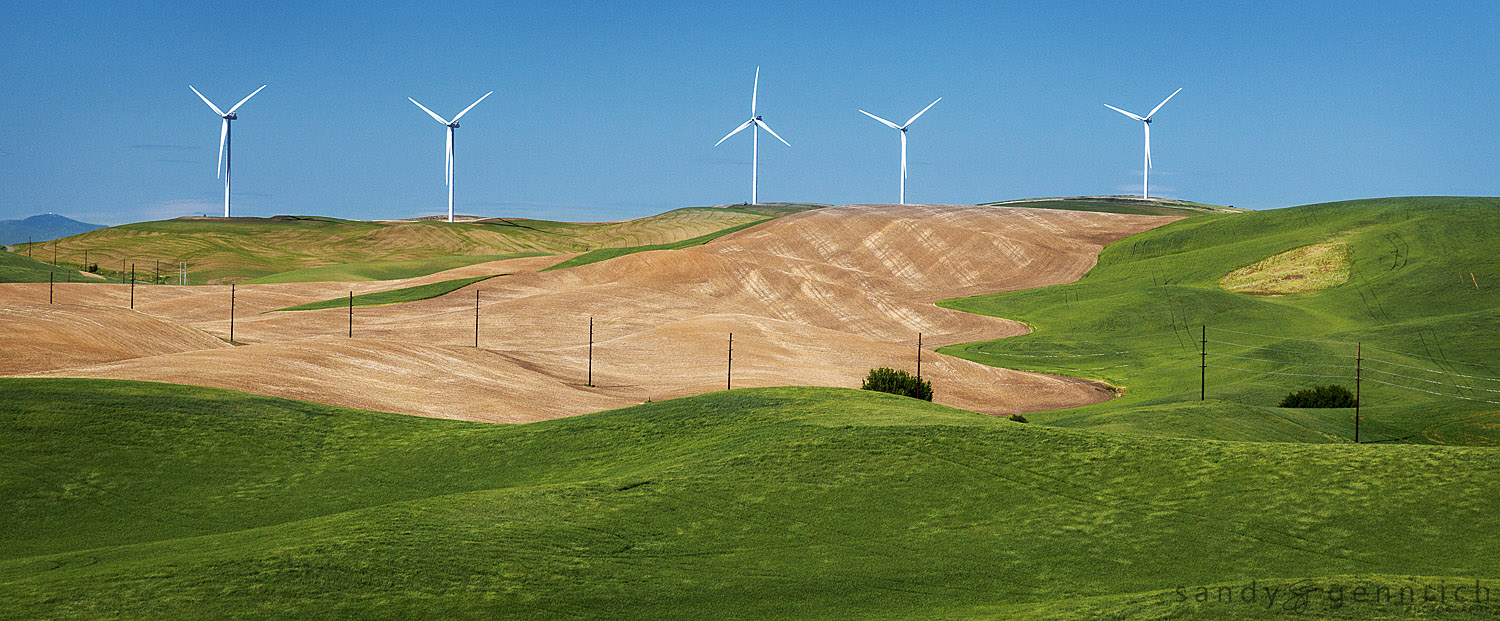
[(1299, 270)]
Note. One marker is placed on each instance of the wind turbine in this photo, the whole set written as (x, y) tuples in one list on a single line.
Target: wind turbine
[(902, 129), (452, 125), (224, 138), (758, 124), (1146, 120)]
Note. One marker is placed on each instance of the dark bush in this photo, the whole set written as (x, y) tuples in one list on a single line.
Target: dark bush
[(1330, 396), (885, 379), (1018, 418)]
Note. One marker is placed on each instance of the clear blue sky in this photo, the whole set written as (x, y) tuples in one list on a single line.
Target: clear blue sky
[(606, 110)]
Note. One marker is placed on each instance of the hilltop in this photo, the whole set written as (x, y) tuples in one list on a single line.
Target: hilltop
[(40, 228), (1121, 204), (250, 248)]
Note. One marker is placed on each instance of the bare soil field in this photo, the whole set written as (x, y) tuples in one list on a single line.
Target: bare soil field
[(815, 298)]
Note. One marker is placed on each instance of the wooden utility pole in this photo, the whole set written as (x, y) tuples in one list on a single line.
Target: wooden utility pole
[(476, 318), (729, 376), (50, 278), (1203, 365), (231, 313), (1358, 378), (590, 383), (351, 314), (919, 356), (132, 286)]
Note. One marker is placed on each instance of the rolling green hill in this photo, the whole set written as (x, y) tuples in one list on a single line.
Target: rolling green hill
[(18, 268), (133, 500), (1422, 295), (284, 248)]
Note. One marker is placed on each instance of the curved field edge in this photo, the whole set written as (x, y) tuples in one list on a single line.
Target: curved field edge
[(392, 296), (604, 254), (385, 270), (136, 499), (1417, 294)]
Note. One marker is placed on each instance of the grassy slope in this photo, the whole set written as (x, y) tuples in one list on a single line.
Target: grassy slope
[(392, 296), (1135, 320), (250, 248), (17, 268), (133, 500)]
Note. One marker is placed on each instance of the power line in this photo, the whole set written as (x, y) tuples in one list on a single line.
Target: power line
[(1277, 372)]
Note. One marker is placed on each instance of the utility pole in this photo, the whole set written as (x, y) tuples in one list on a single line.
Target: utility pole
[(132, 286), (919, 356), (50, 278), (1358, 373), (729, 376), (231, 313), (591, 353), (1203, 365), (351, 314), (476, 318), (156, 280)]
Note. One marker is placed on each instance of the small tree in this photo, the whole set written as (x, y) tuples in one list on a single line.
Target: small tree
[(886, 379), (1330, 396)]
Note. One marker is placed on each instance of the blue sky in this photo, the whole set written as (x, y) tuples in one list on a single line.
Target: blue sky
[(608, 110)]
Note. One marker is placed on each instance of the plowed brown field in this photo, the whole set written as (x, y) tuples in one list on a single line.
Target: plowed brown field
[(816, 298)]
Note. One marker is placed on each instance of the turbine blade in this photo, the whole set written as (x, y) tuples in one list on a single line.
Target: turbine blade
[(1133, 116), (888, 123), (736, 131), (1163, 103), (223, 138), (763, 125), (429, 112), (247, 98), (754, 91), (924, 111), (471, 106), (205, 100)]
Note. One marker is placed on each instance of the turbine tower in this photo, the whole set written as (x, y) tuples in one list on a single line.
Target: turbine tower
[(758, 124), (1146, 120), (902, 129), (452, 125), (224, 138)]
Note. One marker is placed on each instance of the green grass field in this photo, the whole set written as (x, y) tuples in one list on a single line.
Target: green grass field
[(279, 249), (18, 268), (134, 500), (1423, 296), (393, 296)]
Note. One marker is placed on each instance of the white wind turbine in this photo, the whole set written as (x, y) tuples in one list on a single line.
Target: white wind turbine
[(1146, 120), (758, 124), (452, 125), (224, 138), (902, 129)]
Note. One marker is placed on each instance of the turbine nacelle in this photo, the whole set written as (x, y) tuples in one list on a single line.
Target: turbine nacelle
[(231, 116)]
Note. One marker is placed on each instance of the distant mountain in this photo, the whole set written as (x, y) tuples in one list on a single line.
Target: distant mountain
[(41, 228)]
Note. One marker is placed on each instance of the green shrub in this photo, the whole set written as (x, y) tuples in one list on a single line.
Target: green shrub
[(1330, 396), (1018, 418), (885, 379)]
